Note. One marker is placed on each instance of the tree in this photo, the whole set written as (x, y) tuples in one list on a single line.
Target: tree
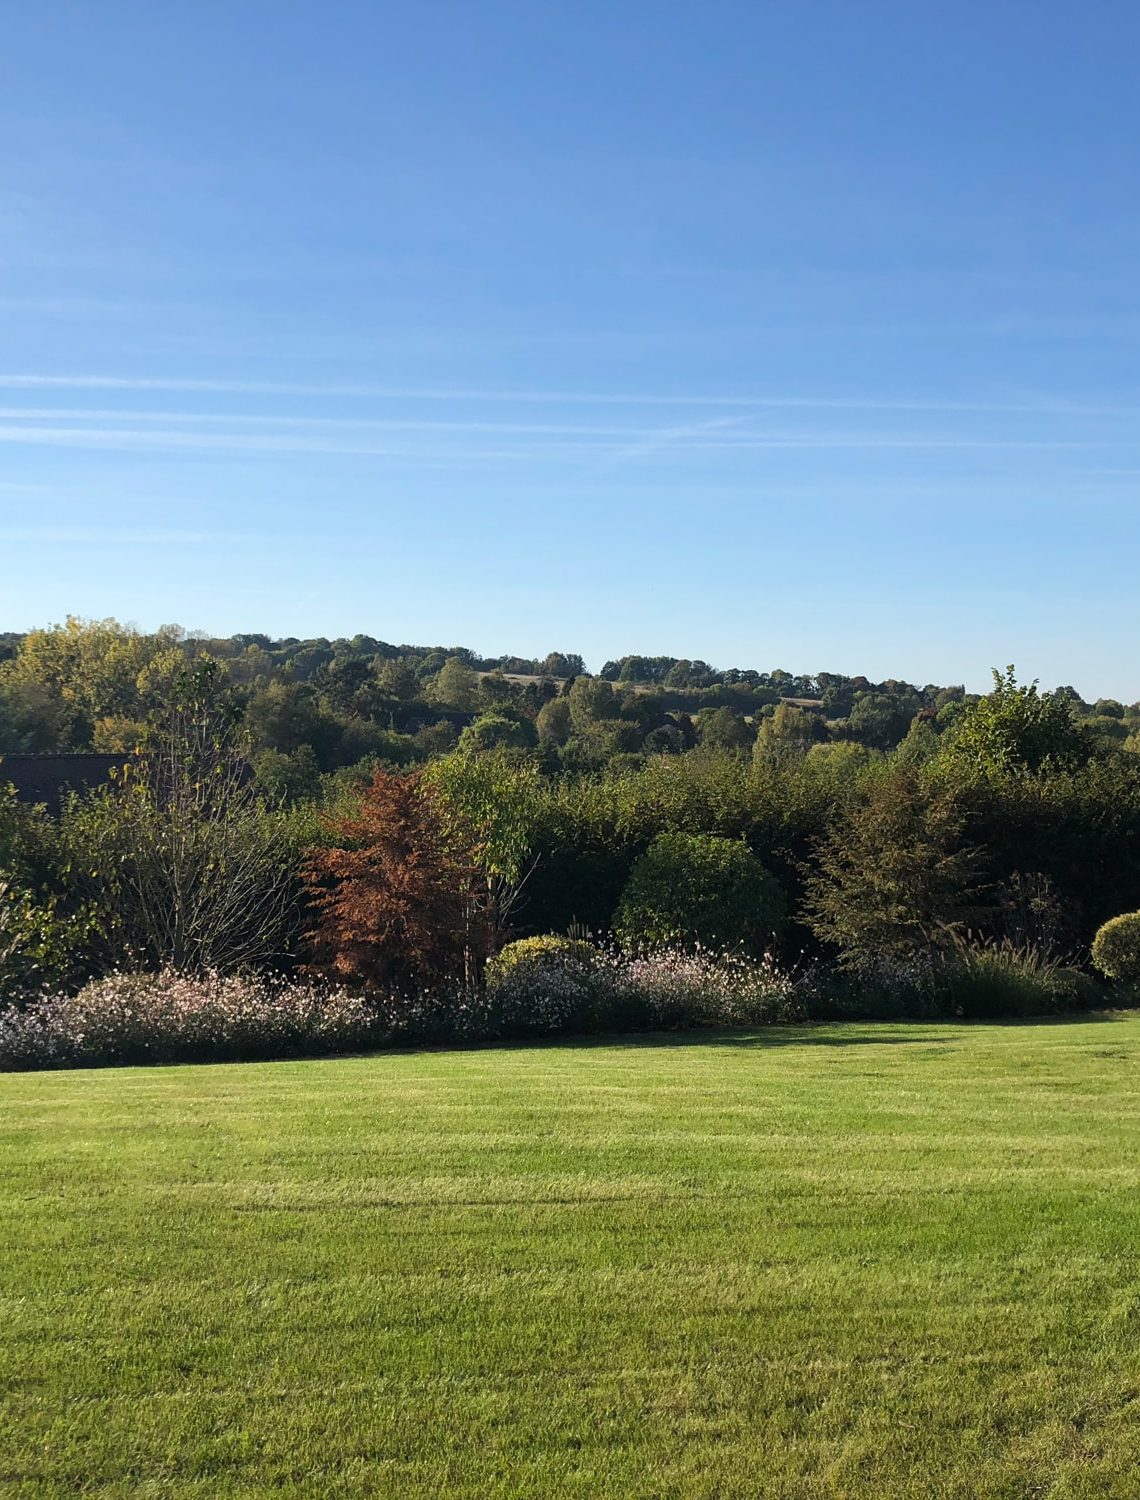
[(894, 875), (591, 699), (117, 735), (553, 722), (435, 739), (498, 731), (456, 685), (345, 684), (1016, 728), (562, 664), (397, 680), (920, 745), (698, 890), (488, 808), (724, 729), (880, 720), (288, 779), (181, 863), (496, 691), (286, 715), (393, 897), (1110, 708), (666, 739), (33, 719), (791, 731), (85, 670)]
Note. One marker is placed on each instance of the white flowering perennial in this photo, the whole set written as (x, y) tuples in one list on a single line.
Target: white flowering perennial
[(171, 1017), (607, 990), (168, 1017)]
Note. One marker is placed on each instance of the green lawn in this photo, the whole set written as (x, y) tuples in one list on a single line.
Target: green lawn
[(844, 1260)]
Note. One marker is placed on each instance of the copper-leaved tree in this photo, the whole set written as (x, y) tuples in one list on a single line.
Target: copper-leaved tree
[(392, 897)]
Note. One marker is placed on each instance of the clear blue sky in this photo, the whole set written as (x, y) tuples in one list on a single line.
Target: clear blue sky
[(798, 335)]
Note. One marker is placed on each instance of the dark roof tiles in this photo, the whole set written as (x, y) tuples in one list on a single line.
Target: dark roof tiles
[(46, 778)]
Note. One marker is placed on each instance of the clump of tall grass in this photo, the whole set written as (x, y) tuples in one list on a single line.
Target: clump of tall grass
[(1006, 978), (972, 978)]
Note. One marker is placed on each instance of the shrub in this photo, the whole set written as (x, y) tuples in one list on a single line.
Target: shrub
[(180, 862), (895, 879), (543, 985), (168, 1018), (675, 989), (1016, 728), (549, 985), (518, 961), (972, 980), (1116, 948), (39, 946), (288, 778), (882, 989), (695, 890), (170, 881)]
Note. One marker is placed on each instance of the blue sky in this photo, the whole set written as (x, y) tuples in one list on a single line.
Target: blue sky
[(780, 335)]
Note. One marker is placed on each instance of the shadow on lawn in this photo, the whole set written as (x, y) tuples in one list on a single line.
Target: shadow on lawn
[(902, 1033)]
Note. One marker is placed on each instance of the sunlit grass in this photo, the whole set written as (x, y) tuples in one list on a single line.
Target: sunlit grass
[(873, 1261)]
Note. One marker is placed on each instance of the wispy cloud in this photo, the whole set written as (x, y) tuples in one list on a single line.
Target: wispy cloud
[(157, 440), (668, 437), (95, 535), (292, 419), (693, 438), (1039, 404)]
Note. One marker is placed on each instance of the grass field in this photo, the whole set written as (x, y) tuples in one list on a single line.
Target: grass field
[(866, 1261)]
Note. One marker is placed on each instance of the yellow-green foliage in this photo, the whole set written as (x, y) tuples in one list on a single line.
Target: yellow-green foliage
[(1116, 947), (528, 957)]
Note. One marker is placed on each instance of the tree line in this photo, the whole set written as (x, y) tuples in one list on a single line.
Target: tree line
[(319, 826), (314, 711)]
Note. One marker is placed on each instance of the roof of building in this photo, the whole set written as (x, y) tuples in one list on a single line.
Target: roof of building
[(45, 778)]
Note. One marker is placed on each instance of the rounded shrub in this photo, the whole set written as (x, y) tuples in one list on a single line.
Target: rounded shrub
[(697, 890), (530, 954), (1116, 948), (541, 984)]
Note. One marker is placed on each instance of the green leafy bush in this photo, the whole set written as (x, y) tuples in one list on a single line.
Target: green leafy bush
[(1116, 948), (499, 731), (894, 877), (542, 984), (40, 947), (1016, 728), (696, 890)]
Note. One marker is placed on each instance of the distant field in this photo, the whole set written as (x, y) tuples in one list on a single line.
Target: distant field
[(844, 1261)]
